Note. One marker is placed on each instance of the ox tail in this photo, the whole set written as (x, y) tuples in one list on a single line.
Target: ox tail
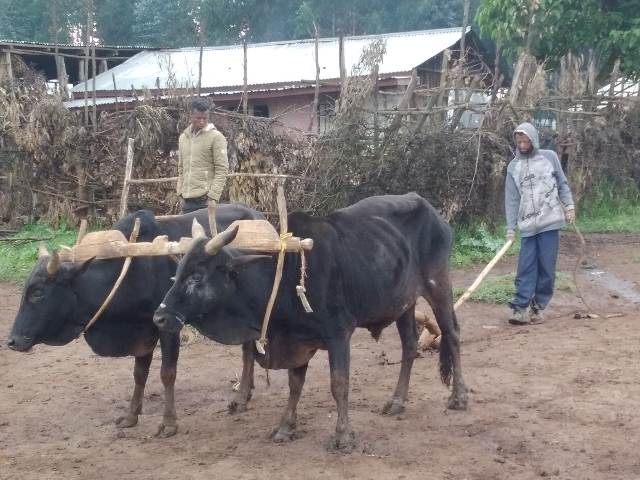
[(449, 351), (446, 362)]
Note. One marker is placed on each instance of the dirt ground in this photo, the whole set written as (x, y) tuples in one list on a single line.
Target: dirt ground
[(559, 400)]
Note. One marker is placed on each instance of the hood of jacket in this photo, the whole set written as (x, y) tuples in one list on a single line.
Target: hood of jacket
[(531, 132)]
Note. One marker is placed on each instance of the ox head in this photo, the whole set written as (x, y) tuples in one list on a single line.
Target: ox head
[(48, 303), (205, 284)]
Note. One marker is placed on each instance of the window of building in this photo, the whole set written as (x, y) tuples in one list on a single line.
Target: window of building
[(261, 111)]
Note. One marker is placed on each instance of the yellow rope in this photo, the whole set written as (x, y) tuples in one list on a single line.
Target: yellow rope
[(260, 344)]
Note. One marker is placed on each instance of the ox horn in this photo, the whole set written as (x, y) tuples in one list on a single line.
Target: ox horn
[(54, 263), (42, 250), (220, 240), (197, 230)]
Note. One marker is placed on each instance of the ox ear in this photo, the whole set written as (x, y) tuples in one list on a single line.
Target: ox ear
[(238, 264), (77, 269)]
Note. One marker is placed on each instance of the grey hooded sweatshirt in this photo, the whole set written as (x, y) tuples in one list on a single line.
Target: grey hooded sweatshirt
[(534, 188)]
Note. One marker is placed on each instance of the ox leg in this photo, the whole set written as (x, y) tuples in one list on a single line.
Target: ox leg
[(339, 357), (287, 428), (440, 297), (140, 375), (170, 348), (243, 394), (409, 338)]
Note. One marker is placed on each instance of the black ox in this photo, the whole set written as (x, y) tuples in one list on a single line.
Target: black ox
[(56, 306), (369, 264)]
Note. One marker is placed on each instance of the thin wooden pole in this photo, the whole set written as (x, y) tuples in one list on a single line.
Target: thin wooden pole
[(343, 71), (483, 274), (245, 101), (86, 68), (201, 52), (316, 93), (94, 70), (127, 179)]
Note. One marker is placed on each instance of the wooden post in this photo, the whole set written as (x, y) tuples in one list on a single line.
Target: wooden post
[(7, 71), (282, 210), (127, 178), (316, 93), (343, 71), (86, 67), (211, 210), (93, 71), (463, 47), (201, 52), (245, 101), (496, 70), (376, 106), (83, 230)]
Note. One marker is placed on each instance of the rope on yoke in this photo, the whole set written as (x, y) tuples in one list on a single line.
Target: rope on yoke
[(125, 268), (300, 289), (260, 344)]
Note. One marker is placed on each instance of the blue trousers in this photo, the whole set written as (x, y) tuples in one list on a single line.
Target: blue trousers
[(536, 275)]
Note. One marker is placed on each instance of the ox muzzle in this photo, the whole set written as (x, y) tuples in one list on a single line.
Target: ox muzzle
[(168, 320), (19, 343)]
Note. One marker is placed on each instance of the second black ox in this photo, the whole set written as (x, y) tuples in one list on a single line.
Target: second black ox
[(59, 299), (369, 264)]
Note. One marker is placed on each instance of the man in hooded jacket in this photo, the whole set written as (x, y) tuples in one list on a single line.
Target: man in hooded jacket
[(202, 160), (538, 201)]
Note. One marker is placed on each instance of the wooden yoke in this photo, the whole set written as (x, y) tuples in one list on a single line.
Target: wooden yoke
[(256, 235)]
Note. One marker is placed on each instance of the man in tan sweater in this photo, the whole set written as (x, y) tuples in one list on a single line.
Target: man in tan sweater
[(202, 160)]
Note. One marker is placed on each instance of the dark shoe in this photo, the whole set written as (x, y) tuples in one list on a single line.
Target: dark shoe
[(536, 315), (518, 316)]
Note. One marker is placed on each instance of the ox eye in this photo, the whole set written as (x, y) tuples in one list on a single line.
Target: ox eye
[(37, 293), (196, 277)]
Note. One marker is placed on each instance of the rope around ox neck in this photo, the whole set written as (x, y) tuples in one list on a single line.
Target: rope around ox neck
[(125, 268), (260, 344)]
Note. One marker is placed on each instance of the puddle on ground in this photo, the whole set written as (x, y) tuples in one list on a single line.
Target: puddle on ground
[(623, 288)]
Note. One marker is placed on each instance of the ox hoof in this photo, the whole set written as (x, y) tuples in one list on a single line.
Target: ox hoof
[(393, 407), (344, 442), (235, 407), (127, 422), (281, 434), (458, 401), (165, 431)]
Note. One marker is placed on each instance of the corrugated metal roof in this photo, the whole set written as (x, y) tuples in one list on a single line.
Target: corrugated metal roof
[(271, 63), (72, 104), (72, 45)]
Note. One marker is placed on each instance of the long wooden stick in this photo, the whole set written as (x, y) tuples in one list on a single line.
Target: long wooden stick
[(483, 274)]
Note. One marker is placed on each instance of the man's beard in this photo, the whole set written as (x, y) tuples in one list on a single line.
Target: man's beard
[(527, 151)]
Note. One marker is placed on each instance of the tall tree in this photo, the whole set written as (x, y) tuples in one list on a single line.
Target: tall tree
[(611, 27), (166, 23), (115, 20)]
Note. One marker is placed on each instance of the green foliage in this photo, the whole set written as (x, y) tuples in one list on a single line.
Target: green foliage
[(31, 20), (174, 23), (557, 27), (501, 289), (611, 206), (115, 20), (478, 246), (17, 258), (166, 23)]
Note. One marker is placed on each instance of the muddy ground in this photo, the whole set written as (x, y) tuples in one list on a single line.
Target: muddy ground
[(559, 400)]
